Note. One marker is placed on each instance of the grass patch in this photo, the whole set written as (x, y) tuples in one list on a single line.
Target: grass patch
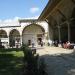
[(11, 61)]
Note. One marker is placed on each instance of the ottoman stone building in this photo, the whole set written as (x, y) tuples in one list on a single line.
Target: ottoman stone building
[(14, 33), (56, 22), (60, 15)]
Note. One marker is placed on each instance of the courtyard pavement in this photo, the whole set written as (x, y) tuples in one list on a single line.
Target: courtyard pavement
[(58, 61)]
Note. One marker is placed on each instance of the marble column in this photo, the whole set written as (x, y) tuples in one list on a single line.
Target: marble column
[(21, 39), (68, 24), (59, 33), (8, 41)]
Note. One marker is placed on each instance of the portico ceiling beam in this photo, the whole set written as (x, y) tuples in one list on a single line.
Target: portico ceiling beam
[(53, 18), (60, 12), (66, 19), (48, 20), (73, 1)]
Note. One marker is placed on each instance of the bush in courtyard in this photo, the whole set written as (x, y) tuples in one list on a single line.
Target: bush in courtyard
[(42, 67), (31, 65)]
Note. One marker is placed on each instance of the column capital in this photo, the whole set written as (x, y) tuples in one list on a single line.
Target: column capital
[(59, 26), (20, 35)]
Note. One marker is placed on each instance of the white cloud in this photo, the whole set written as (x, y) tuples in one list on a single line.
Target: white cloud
[(0, 20), (16, 18), (8, 20), (35, 17), (34, 9)]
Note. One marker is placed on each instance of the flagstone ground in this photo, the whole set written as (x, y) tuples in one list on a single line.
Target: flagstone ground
[(58, 61)]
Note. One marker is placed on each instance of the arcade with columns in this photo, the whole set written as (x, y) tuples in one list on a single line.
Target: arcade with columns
[(60, 16), (56, 22), (14, 34)]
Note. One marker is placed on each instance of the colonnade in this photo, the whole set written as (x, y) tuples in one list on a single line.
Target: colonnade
[(68, 30)]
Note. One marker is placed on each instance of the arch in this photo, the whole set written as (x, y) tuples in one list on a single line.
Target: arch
[(32, 33), (30, 25), (14, 32), (14, 37), (3, 34)]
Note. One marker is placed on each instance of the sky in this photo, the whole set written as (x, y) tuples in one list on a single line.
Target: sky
[(10, 9)]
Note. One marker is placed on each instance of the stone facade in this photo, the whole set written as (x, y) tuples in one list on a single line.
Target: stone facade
[(14, 34), (60, 16)]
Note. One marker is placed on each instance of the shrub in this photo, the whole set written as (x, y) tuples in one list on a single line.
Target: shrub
[(42, 67), (31, 65)]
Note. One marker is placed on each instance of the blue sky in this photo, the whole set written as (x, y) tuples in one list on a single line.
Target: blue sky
[(10, 9)]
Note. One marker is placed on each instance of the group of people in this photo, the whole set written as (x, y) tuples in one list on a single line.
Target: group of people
[(67, 45)]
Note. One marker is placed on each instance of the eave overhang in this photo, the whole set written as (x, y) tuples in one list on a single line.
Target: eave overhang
[(47, 10)]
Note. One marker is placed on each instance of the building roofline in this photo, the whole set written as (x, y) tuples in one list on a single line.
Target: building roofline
[(49, 7), (29, 20), (9, 26)]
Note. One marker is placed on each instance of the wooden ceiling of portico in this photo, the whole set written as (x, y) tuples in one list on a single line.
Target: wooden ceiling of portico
[(60, 13)]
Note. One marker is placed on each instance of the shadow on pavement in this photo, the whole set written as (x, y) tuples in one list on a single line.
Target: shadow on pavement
[(63, 64), (10, 64)]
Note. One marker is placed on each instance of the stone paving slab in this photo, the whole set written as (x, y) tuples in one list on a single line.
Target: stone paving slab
[(58, 61), (53, 50)]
